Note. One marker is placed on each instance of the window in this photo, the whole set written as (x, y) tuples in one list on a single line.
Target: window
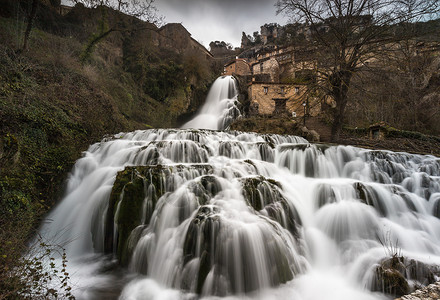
[(266, 89), (282, 90), (296, 90), (261, 67)]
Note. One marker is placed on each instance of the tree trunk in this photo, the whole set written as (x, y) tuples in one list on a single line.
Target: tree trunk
[(340, 82), (92, 43), (338, 118), (30, 24)]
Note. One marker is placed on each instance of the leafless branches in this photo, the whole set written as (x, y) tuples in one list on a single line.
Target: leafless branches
[(349, 35), (142, 9)]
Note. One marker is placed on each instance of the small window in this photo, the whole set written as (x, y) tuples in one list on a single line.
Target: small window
[(261, 67), (266, 89), (282, 90), (296, 90)]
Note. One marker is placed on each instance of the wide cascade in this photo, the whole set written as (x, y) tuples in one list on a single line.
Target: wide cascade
[(196, 213)]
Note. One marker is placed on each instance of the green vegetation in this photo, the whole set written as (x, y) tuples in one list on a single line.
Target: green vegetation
[(55, 102), (38, 275)]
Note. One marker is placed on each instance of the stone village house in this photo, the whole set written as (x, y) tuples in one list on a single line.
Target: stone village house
[(276, 82)]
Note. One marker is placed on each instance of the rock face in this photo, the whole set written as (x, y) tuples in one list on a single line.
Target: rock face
[(264, 196), (133, 200), (389, 278), (393, 276), (207, 246), (430, 292)]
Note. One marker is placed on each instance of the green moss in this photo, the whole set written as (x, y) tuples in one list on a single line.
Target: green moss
[(52, 107), (126, 202), (129, 214), (262, 193)]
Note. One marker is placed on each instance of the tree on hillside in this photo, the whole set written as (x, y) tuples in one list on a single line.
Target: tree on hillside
[(141, 9), (30, 23), (348, 35), (30, 19)]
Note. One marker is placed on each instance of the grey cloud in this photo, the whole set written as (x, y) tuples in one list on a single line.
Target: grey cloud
[(219, 20)]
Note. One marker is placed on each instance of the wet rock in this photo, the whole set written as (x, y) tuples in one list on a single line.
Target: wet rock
[(389, 278), (226, 259), (264, 196), (133, 200), (430, 292), (435, 198), (393, 275), (370, 197), (205, 189), (231, 149), (420, 272), (324, 195), (200, 241)]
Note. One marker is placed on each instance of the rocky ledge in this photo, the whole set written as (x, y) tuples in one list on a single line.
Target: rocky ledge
[(430, 292)]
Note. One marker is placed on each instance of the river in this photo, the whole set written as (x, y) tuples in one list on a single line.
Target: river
[(202, 212)]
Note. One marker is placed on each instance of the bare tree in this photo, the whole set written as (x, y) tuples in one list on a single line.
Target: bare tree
[(142, 9), (349, 34), (30, 23)]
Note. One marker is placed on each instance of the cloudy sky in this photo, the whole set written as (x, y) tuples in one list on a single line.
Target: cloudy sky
[(220, 20)]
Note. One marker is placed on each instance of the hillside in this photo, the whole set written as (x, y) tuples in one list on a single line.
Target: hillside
[(60, 96)]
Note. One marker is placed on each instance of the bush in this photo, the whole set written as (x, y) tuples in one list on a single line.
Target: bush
[(36, 275)]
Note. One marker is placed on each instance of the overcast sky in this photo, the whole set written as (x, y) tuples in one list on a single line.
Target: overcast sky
[(220, 20)]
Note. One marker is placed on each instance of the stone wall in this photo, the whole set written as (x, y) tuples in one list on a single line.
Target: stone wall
[(239, 67), (267, 66), (261, 96), (175, 36)]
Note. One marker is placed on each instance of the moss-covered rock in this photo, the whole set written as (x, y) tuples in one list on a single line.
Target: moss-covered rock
[(267, 124), (126, 204), (229, 254), (390, 281), (392, 276), (370, 197), (133, 199), (201, 241), (264, 196)]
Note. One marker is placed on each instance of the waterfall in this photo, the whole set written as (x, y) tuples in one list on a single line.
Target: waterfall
[(220, 107), (188, 213)]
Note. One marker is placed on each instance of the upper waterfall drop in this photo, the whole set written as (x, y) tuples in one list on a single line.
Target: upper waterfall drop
[(220, 107)]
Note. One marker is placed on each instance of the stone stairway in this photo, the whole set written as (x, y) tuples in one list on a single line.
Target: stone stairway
[(322, 128)]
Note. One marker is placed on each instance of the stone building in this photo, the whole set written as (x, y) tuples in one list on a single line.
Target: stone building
[(277, 79), (275, 98), (174, 35), (237, 66), (268, 65), (279, 83)]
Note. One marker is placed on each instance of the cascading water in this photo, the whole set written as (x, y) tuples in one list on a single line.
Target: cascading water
[(220, 107), (193, 213)]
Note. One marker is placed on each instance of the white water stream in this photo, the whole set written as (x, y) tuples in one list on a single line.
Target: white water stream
[(243, 215)]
